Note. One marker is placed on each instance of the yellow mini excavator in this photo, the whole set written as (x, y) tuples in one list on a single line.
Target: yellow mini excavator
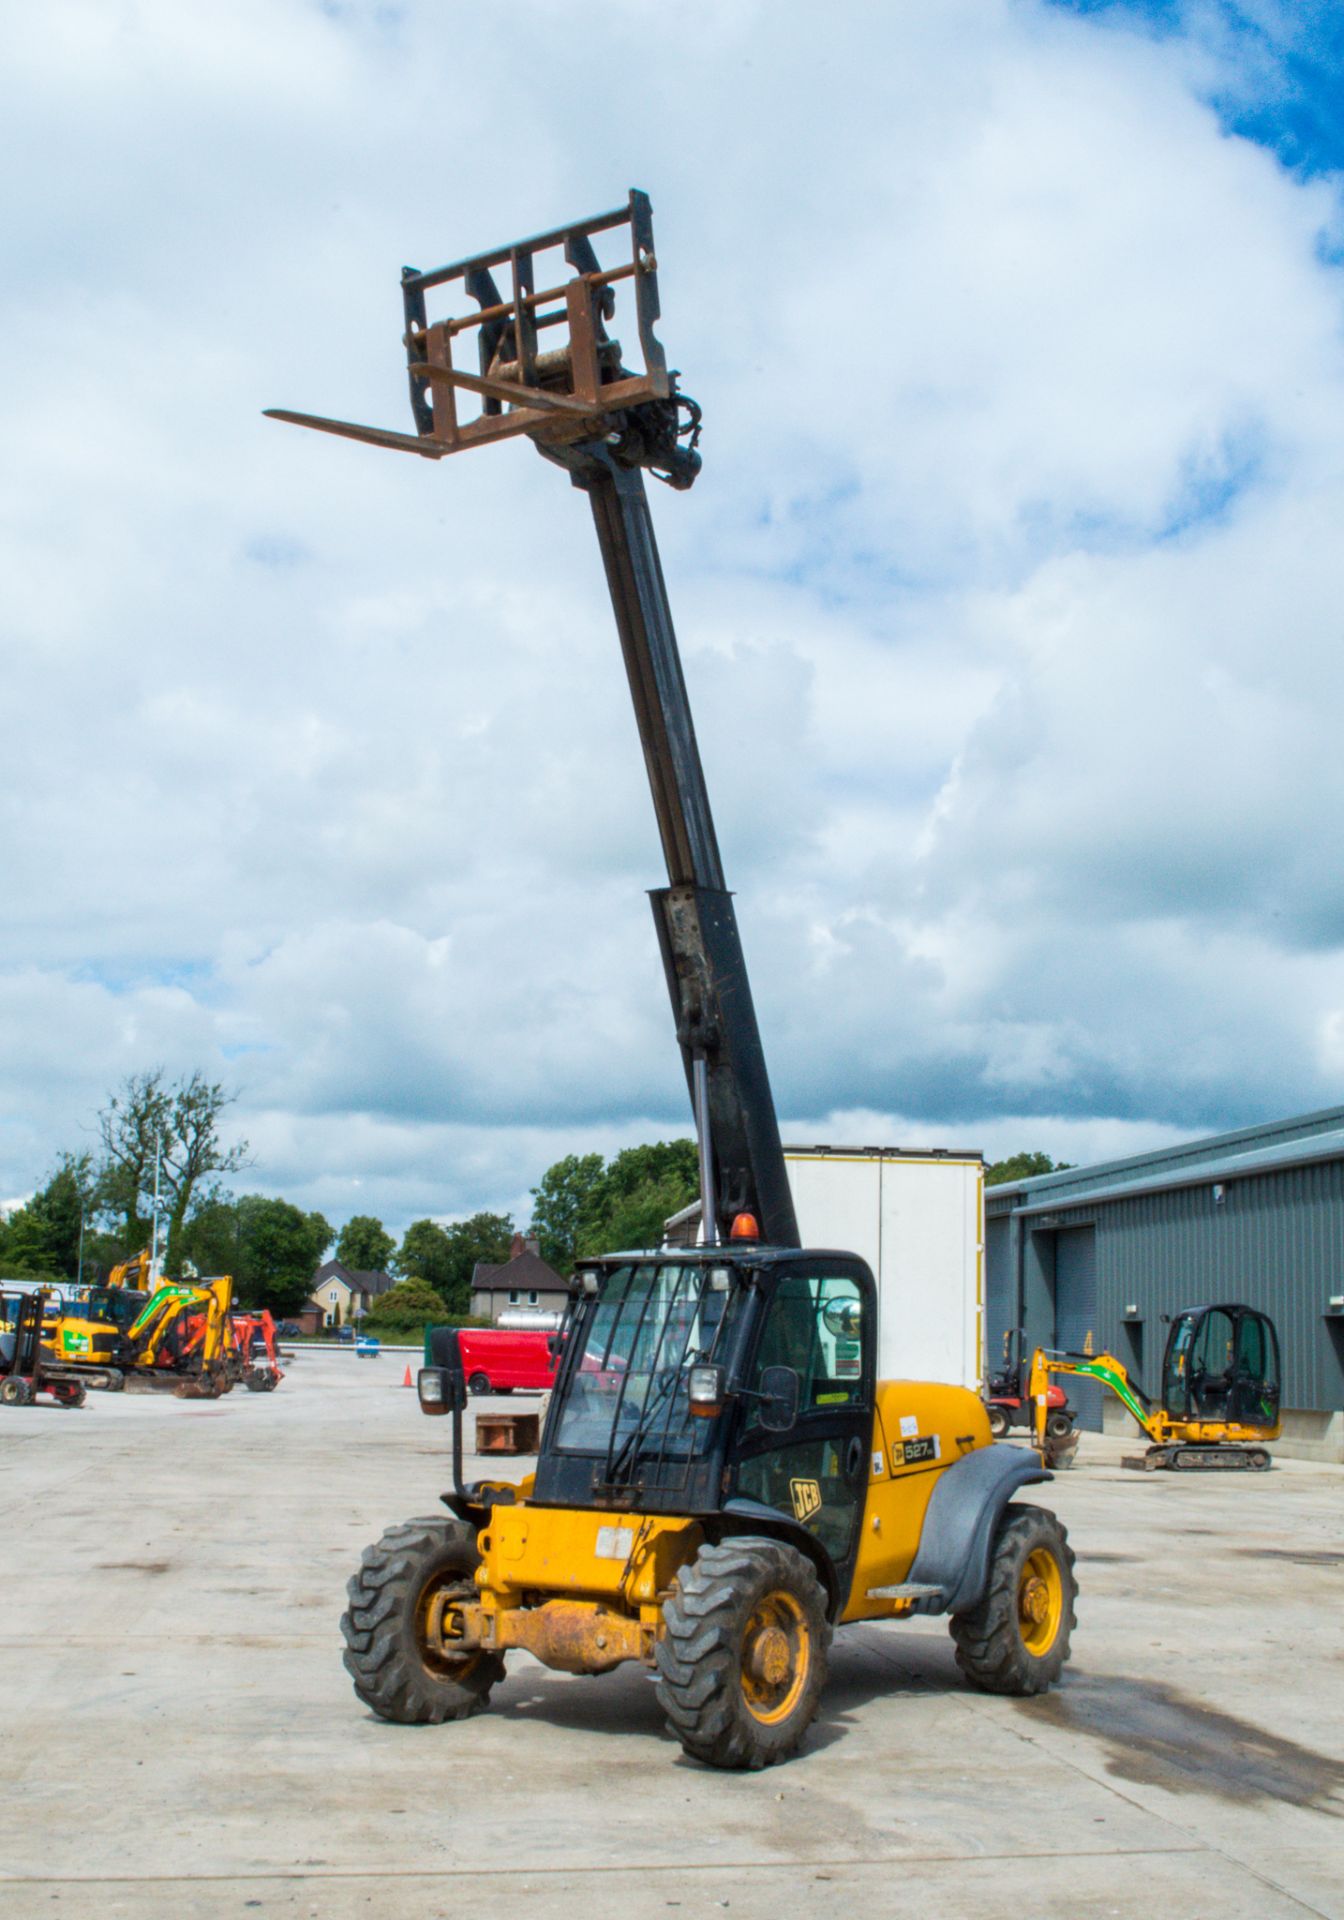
[(1220, 1391), (723, 1479)]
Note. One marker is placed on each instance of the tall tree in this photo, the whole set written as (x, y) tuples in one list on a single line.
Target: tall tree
[(568, 1202), (279, 1248), (426, 1254), (181, 1121), (484, 1236), (365, 1246), (45, 1234)]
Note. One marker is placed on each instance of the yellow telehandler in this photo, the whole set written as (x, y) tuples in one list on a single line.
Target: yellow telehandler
[(723, 1480)]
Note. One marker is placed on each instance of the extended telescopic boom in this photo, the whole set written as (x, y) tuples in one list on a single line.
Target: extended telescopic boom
[(590, 413)]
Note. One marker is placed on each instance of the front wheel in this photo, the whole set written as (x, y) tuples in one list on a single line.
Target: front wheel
[(998, 1421), (1016, 1640), (1059, 1426), (478, 1384), (742, 1660), (387, 1654), (15, 1391)]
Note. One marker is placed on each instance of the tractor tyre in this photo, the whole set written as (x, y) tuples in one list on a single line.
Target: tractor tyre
[(1058, 1426), (72, 1396), (742, 1660), (998, 1421), (478, 1384), (387, 1656), (254, 1380), (1016, 1640), (15, 1391)]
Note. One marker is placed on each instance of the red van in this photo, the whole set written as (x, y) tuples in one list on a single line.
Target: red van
[(496, 1360)]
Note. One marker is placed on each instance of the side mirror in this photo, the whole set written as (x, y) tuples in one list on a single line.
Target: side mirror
[(780, 1388)]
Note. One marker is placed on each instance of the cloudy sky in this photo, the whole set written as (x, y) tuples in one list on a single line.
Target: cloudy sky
[(1011, 594)]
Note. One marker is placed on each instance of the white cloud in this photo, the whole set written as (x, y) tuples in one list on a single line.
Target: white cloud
[(1009, 596)]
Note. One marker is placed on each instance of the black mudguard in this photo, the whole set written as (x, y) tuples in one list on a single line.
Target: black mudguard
[(962, 1518)]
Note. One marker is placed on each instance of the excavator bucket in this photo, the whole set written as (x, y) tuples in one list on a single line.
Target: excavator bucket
[(535, 354)]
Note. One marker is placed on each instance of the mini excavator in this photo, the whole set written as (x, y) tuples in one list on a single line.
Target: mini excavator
[(1220, 1391), (722, 1480)]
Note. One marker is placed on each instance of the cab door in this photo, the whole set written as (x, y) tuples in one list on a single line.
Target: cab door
[(819, 1320)]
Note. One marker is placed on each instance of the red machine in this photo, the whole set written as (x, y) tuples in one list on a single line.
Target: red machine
[(255, 1350), (1009, 1404)]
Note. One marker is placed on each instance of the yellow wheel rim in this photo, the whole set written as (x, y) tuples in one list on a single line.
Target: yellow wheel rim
[(776, 1658), (1040, 1601)]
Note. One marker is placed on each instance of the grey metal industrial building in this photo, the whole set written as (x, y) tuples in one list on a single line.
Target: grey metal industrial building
[(1105, 1252)]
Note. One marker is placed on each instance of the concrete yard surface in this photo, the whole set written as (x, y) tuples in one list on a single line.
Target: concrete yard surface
[(180, 1737)]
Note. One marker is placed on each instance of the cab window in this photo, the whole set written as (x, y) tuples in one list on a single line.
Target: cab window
[(815, 1326)]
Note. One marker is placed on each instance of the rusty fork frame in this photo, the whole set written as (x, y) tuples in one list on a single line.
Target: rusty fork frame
[(558, 395)]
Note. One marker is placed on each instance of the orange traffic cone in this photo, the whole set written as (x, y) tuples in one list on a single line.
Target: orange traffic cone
[(408, 1381)]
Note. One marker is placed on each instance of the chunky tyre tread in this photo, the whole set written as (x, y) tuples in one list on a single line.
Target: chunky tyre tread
[(990, 1649), (382, 1656), (699, 1684)]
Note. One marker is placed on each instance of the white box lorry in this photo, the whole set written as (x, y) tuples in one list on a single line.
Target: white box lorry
[(918, 1220)]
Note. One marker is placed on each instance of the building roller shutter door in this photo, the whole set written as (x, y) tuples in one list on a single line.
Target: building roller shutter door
[(1076, 1315)]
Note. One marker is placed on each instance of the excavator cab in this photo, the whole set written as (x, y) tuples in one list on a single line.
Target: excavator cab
[(1222, 1365)]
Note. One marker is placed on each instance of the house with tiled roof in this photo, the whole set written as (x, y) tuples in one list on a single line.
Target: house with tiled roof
[(342, 1294), (524, 1282)]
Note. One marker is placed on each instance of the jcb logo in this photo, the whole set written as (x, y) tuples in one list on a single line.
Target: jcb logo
[(806, 1498)]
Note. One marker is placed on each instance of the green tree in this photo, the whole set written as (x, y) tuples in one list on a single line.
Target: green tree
[(425, 1254), (278, 1249), (365, 1246), (485, 1236), (1022, 1166), (582, 1206), (44, 1235), (180, 1120), (411, 1303), (25, 1253), (567, 1204), (635, 1219)]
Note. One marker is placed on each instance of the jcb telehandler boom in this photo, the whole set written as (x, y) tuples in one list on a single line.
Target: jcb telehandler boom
[(722, 1478)]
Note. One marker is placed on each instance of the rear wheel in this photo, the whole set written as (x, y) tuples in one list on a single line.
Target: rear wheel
[(998, 1421), (1017, 1640), (387, 1653), (15, 1391), (72, 1396), (742, 1661)]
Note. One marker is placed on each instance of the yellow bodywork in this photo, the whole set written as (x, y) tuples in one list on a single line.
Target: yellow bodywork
[(901, 1480), (583, 1589)]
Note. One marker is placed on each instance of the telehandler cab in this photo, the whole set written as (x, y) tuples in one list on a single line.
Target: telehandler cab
[(722, 1479)]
